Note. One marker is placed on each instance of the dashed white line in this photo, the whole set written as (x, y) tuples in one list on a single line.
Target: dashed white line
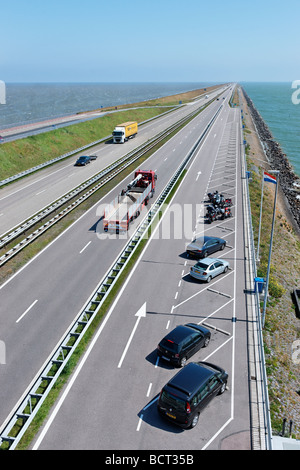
[(40, 192), (26, 311), (149, 389), (85, 247)]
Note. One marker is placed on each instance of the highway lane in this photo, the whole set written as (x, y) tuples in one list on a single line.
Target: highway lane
[(26, 197), (42, 299), (111, 401)]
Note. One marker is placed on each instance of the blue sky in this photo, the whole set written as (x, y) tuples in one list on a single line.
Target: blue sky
[(149, 41)]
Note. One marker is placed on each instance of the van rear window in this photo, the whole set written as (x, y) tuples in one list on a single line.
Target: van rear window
[(172, 400)]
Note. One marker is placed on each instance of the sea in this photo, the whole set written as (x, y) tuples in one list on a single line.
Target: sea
[(32, 102), (279, 106)]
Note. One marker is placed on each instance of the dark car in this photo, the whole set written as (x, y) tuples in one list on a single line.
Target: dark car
[(82, 161), (183, 342), (203, 246), (189, 391), (93, 157)]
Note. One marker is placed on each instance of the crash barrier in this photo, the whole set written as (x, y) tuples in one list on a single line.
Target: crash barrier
[(41, 386), (261, 427), (108, 173), (10, 179)]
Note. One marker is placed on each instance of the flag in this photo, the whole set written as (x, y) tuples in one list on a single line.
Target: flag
[(269, 178)]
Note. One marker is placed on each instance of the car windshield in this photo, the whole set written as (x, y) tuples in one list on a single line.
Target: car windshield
[(172, 400), (118, 133)]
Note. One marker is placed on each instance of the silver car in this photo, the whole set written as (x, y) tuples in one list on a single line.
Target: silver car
[(208, 268)]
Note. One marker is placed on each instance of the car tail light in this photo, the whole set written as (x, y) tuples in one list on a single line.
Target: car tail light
[(204, 274), (188, 408), (176, 355)]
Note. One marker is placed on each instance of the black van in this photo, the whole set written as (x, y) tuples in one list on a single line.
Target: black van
[(189, 391)]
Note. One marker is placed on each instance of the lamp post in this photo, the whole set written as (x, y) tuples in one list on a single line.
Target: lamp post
[(273, 180)]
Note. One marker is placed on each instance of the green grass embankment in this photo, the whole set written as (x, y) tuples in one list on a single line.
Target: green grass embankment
[(26, 153)]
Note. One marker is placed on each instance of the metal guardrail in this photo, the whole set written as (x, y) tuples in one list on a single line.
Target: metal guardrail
[(116, 168), (33, 398), (10, 179), (261, 423)]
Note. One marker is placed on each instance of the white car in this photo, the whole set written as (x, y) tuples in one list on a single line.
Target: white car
[(207, 268)]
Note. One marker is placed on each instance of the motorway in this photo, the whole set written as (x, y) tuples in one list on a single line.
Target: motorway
[(110, 402), (42, 299), (27, 196)]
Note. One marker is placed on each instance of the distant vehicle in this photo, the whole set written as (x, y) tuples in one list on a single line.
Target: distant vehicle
[(206, 96), (82, 161), (182, 343), (208, 268), (123, 132), (203, 246), (93, 157), (189, 391)]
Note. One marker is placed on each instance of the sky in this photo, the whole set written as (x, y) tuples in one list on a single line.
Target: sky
[(149, 41)]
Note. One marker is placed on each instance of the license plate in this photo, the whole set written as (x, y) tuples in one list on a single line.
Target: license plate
[(198, 272), (166, 358), (170, 415)]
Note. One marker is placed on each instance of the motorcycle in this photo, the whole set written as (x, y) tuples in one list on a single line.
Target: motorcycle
[(211, 214), (212, 196), (226, 212)]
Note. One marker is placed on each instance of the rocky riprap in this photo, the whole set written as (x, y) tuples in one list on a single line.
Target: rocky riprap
[(289, 181)]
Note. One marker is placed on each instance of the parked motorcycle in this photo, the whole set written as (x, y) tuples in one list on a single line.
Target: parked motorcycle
[(226, 212), (211, 214)]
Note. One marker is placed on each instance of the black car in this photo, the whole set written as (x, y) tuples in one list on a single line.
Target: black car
[(189, 391), (183, 342), (82, 161), (203, 246)]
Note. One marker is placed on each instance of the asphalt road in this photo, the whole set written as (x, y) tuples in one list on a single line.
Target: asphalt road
[(41, 300), (27, 196), (110, 403)]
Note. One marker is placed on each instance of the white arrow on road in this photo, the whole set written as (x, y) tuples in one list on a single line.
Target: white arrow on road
[(139, 314)]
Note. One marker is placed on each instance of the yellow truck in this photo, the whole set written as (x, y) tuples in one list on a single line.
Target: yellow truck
[(124, 131)]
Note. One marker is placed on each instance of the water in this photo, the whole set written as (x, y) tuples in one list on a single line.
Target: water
[(274, 103), (31, 102)]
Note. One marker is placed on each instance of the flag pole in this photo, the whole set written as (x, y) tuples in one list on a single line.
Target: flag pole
[(259, 228), (270, 251)]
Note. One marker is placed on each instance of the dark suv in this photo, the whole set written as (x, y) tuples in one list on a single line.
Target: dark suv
[(183, 342), (189, 391)]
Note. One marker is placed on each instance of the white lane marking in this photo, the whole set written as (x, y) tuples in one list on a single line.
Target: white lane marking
[(40, 192), (26, 311), (85, 247), (139, 423), (149, 389), (140, 313)]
